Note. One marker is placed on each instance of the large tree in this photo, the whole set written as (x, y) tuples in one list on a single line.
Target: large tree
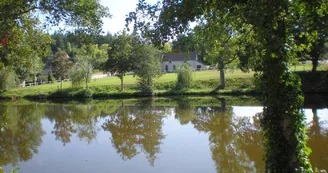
[(120, 56), (146, 65), (220, 42), (272, 22)]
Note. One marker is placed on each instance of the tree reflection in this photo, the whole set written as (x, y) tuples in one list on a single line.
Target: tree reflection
[(23, 133), (73, 119), (318, 142), (235, 142), (136, 129)]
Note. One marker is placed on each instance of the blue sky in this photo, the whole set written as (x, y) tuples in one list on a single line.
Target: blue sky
[(118, 9)]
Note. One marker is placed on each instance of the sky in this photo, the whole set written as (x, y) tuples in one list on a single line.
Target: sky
[(118, 9)]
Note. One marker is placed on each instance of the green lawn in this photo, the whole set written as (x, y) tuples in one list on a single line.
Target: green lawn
[(130, 80)]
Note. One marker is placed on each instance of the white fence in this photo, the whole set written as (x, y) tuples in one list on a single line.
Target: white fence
[(30, 84)]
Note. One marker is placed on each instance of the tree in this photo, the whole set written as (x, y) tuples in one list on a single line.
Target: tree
[(85, 16), (24, 32), (24, 53), (119, 60), (272, 24), (146, 65), (184, 77), (89, 57), (61, 65), (184, 43), (313, 23), (167, 48), (221, 43)]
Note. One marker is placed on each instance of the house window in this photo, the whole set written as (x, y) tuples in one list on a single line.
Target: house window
[(174, 68), (166, 68), (199, 67)]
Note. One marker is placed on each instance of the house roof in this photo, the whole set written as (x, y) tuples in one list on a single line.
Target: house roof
[(182, 56)]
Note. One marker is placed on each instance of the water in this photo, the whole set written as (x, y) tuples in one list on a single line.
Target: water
[(169, 135)]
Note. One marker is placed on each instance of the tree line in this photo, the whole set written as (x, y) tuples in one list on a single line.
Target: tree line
[(116, 54)]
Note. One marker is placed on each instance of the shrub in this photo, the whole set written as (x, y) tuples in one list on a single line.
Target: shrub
[(85, 94), (184, 78), (146, 86)]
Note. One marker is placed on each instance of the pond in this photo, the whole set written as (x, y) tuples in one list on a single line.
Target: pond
[(176, 135)]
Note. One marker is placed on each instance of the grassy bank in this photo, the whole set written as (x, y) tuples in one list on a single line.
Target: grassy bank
[(235, 86), (204, 83)]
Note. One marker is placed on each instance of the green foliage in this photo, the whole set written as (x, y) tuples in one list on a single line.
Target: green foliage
[(146, 65), (120, 56), (8, 79), (184, 43), (61, 65), (25, 50), (27, 42), (311, 31), (51, 78), (16, 168), (77, 75), (85, 16), (87, 94), (185, 77), (167, 48), (88, 57)]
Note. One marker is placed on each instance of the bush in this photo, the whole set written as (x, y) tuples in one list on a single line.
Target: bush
[(146, 86), (184, 78), (87, 94)]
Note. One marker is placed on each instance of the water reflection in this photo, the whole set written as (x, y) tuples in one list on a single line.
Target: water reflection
[(135, 130), (22, 139), (235, 142), (318, 141), (73, 119)]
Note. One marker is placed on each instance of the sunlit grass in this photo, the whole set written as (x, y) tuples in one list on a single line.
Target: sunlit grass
[(130, 80)]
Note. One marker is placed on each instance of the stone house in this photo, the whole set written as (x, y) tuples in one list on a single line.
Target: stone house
[(172, 61)]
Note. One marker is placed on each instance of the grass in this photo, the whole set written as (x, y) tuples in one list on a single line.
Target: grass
[(204, 82), (114, 82)]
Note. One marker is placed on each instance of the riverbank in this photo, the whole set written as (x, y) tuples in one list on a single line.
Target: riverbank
[(204, 83), (234, 86)]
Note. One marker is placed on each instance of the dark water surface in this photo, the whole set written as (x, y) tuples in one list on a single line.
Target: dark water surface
[(166, 135)]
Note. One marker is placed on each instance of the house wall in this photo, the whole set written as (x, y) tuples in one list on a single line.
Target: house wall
[(170, 65)]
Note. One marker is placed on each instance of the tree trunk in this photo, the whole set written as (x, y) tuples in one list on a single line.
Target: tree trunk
[(315, 64), (87, 77), (222, 77), (35, 79), (121, 77), (86, 84)]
